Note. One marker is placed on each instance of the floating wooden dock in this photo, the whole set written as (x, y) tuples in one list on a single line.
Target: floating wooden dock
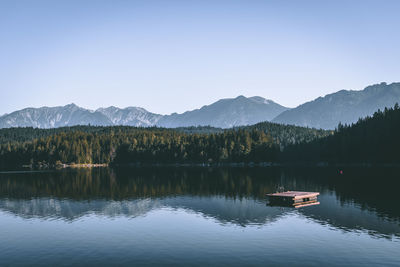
[(295, 199)]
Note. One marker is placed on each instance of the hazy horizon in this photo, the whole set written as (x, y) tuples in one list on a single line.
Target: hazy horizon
[(176, 56)]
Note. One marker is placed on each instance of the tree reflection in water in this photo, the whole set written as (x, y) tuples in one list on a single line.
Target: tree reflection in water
[(360, 199)]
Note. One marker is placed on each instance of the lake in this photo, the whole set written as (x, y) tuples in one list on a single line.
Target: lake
[(198, 216)]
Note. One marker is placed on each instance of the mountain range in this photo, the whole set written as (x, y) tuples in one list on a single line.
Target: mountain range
[(345, 106), (224, 113)]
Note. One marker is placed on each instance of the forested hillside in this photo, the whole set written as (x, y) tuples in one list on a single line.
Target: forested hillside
[(28, 133), (123, 144), (373, 139), (141, 145), (282, 134), (285, 135)]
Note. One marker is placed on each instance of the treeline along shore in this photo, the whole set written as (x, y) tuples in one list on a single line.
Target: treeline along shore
[(371, 140)]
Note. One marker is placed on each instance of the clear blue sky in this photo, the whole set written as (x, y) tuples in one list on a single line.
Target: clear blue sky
[(169, 56)]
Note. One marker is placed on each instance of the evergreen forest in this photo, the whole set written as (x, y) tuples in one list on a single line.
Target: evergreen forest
[(372, 139)]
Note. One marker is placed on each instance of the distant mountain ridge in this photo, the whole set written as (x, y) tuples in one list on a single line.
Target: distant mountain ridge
[(131, 116), (326, 112), (224, 113), (343, 106), (52, 117)]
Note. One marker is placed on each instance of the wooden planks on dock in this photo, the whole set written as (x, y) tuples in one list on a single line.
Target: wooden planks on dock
[(294, 198), (294, 194)]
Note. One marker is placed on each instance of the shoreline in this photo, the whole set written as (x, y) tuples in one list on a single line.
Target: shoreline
[(261, 164), (65, 166), (208, 165)]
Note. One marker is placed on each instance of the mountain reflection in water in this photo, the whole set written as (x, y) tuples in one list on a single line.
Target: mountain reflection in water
[(362, 199)]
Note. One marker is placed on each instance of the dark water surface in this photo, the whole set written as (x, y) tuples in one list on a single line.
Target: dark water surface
[(198, 216)]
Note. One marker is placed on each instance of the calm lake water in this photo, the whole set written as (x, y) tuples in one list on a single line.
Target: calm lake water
[(198, 216)]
